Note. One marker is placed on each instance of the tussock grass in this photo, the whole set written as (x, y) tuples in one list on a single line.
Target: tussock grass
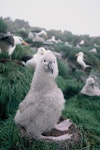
[(10, 139), (18, 53), (61, 83), (73, 87), (14, 84), (84, 111), (63, 69), (21, 51)]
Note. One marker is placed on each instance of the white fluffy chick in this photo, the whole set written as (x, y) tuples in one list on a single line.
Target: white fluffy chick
[(39, 112), (90, 89), (80, 60)]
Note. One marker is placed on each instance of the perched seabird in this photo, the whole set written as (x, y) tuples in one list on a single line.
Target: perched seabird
[(42, 32), (8, 43), (90, 89), (81, 62), (94, 50), (68, 44), (39, 112), (37, 38), (82, 42), (52, 40), (30, 35)]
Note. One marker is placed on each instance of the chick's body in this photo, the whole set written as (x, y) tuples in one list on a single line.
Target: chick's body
[(39, 112)]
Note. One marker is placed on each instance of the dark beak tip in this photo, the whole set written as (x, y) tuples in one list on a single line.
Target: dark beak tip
[(50, 67)]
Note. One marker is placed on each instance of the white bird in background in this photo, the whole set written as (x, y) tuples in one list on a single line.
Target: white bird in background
[(42, 32), (39, 112), (94, 50), (37, 38), (81, 62), (8, 43), (90, 89), (30, 35), (82, 42), (52, 40)]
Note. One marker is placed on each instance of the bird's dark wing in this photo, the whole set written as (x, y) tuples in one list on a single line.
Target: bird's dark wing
[(26, 58), (87, 61), (7, 38)]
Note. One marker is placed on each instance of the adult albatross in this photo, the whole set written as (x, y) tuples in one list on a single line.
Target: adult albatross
[(8, 43), (81, 61)]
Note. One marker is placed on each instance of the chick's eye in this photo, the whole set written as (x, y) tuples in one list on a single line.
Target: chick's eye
[(44, 60)]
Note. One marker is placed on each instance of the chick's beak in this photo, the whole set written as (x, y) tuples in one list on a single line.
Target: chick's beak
[(50, 67), (25, 43)]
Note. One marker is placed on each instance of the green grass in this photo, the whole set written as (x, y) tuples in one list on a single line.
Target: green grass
[(84, 111), (11, 140), (21, 51), (15, 81)]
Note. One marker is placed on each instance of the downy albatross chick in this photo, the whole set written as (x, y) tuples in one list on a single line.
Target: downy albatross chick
[(8, 43), (39, 112), (90, 89), (80, 60)]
